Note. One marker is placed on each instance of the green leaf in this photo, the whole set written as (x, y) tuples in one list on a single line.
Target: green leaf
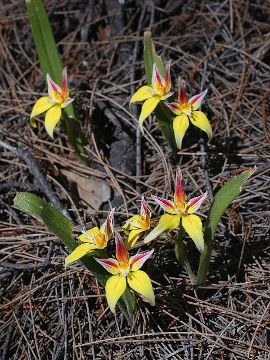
[(163, 114), (222, 200), (165, 121), (61, 226), (151, 57), (75, 136)]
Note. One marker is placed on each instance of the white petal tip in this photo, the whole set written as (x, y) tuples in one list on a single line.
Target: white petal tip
[(200, 247)]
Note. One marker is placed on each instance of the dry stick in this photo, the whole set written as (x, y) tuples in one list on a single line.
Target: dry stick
[(24, 154)]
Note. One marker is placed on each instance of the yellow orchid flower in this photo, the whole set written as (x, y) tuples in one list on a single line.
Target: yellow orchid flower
[(180, 211), (188, 110), (53, 104), (152, 95), (93, 239), (137, 224), (125, 269)]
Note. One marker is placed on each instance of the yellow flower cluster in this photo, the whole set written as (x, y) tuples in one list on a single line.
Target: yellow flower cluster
[(187, 110), (125, 269)]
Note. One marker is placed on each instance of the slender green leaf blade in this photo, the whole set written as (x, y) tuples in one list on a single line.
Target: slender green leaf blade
[(61, 226), (222, 201), (44, 40), (224, 198)]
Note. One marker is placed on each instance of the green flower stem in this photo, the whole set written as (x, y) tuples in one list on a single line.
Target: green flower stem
[(182, 256), (75, 136), (165, 121), (205, 257)]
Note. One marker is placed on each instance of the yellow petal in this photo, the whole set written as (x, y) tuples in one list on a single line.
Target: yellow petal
[(193, 226), (166, 223), (133, 236), (180, 126), (89, 235), (144, 93), (115, 286), (132, 223), (52, 118), (43, 104), (78, 253), (33, 123), (148, 106), (140, 282), (199, 119)]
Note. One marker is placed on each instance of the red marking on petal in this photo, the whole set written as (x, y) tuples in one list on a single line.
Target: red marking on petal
[(53, 85), (195, 99), (121, 251), (136, 258), (179, 194), (182, 95), (64, 84), (163, 202), (159, 79), (111, 265), (110, 217), (139, 259), (156, 77), (196, 202), (109, 225), (168, 78), (108, 262), (143, 207), (174, 106), (145, 213)]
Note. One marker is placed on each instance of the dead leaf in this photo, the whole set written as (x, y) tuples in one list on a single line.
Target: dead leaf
[(92, 190)]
